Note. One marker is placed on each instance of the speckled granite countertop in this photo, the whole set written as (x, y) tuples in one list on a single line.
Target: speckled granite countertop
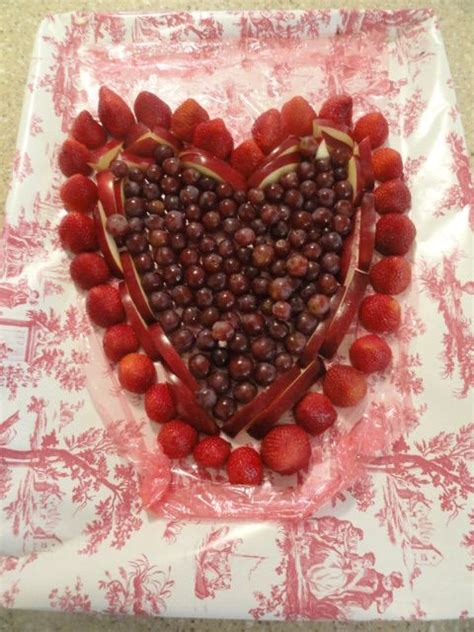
[(456, 18)]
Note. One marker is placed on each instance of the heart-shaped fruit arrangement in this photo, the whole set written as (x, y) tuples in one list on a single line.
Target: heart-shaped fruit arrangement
[(242, 268)]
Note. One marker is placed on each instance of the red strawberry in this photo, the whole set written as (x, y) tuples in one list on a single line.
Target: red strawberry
[(88, 131), (77, 233), (212, 452), (159, 404), (338, 109), (214, 137), (286, 449), (88, 269), (152, 111), (394, 234), (315, 413), (79, 193), (370, 354), (185, 119), (104, 305), (344, 385), (268, 131), (73, 158), (246, 157), (391, 275), (244, 467), (375, 126), (380, 313), (114, 113), (177, 439), (392, 196), (136, 372), (387, 164), (297, 117), (120, 340)]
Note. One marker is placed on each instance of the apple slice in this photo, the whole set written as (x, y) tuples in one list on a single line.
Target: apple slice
[(354, 291), (105, 185), (242, 418), (209, 165), (101, 158), (265, 421), (365, 154), (171, 357), (316, 339), (272, 171), (139, 325), (367, 232), (132, 279), (188, 408), (289, 146), (119, 196), (142, 141), (322, 151), (139, 162), (354, 176), (335, 134), (107, 243)]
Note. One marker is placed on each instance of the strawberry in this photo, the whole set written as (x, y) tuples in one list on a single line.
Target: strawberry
[(104, 305), (297, 117), (370, 354), (380, 313), (214, 137), (79, 193), (152, 111), (394, 234), (392, 196), (375, 126), (391, 275), (212, 452), (73, 158), (344, 385), (387, 164), (136, 372), (268, 131), (244, 467), (88, 269), (338, 109), (88, 131), (177, 439), (114, 113), (77, 233), (159, 404), (246, 157), (315, 413), (185, 119), (286, 449), (120, 340)]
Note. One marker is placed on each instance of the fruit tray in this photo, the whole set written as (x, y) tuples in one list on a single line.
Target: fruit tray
[(93, 458)]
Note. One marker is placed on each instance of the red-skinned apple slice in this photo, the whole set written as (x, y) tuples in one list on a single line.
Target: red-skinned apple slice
[(101, 158), (242, 418), (316, 339), (142, 141), (367, 232), (132, 279), (354, 176), (139, 162), (105, 185), (119, 196), (209, 165), (364, 151), (265, 421), (107, 243), (289, 146), (139, 325), (188, 408), (335, 134), (322, 151), (170, 356), (272, 171)]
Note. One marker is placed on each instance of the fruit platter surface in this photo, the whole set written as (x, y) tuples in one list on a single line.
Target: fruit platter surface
[(235, 345)]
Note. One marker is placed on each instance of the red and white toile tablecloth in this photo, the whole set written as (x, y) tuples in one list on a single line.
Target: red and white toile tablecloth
[(399, 542)]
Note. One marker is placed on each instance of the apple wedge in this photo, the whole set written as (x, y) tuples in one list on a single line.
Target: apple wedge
[(358, 248), (264, 422), (142, 141), (106, 189), (107, 243), (134, 161), (139, 325), (171, 357), (289, 146), (132, 279), (354, 176), (188, 408), (335, 134), (365, 156), (322, 150), (101, 158), (213, 167), (316, 339), (241, 419), (272, 171)]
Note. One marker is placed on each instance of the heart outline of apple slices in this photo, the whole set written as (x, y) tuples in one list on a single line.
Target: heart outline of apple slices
[(101, 158), (213, 167)]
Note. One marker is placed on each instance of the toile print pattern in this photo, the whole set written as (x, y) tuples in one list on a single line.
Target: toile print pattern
[(404, 519)]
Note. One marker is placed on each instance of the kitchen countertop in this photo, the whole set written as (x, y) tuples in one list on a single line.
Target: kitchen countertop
[(456, 18)]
